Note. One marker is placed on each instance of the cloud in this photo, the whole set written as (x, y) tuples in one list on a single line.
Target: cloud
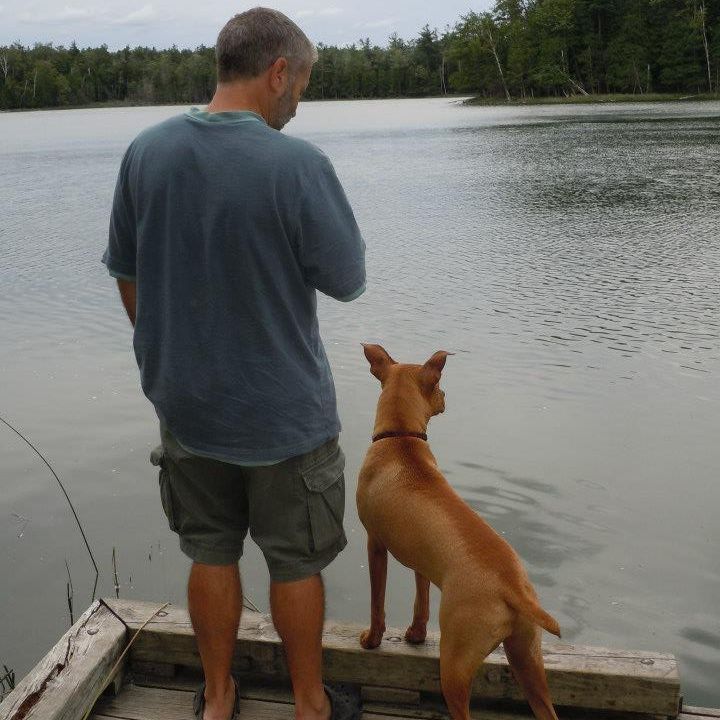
[(138, 17), (75, 13), (325, 12), (385, 22), (67, 13), (71, 14)]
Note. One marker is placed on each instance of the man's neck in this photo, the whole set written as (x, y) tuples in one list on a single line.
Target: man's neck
[(237, 97)]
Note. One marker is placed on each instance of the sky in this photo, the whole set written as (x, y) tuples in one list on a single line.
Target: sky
[(189, 23)]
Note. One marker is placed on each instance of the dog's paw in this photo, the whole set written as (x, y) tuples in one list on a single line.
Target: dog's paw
[(370, 639), (416, 634)]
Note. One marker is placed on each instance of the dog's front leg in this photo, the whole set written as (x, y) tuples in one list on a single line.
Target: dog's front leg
[(417, 632), (377, 562)]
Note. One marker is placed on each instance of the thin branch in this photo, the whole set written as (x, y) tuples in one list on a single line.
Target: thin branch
[(7, 682), (249, 604), (115, 574), (70, 594)]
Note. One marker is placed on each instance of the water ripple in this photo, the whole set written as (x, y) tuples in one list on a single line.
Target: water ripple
[(568, 258)]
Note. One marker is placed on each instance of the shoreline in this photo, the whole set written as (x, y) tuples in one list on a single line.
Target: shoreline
[(463, 98), (604, 99), (453, 97)]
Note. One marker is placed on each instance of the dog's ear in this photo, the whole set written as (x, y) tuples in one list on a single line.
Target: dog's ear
[(432, 369), (379, 360)]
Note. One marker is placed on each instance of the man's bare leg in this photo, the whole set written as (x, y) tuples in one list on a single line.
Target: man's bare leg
[(215, 604), (298, 610)]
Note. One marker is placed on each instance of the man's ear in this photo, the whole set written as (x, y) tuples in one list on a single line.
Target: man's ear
[(279, 74), (379, 360), (432, 369)]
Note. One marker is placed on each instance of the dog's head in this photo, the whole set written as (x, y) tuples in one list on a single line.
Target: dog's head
[(410, 384)]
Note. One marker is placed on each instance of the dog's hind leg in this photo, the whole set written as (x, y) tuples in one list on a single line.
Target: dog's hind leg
[(524, 653), (377, 562), (417, 632), (465, 641), (458, 666)]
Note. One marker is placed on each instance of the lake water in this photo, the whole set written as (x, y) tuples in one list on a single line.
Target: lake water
[(568, 256)]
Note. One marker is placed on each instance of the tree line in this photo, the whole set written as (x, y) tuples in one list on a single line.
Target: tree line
[(517, 50)]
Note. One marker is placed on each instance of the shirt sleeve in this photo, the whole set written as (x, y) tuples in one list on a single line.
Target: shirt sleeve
[(120, 255), (331, 248)]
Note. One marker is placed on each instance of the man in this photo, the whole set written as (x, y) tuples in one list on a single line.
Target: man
[(222, 230)]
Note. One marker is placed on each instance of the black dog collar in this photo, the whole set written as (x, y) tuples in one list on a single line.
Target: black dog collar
[(383, 436)]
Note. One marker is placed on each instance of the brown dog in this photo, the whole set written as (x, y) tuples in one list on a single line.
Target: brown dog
[(409, 509)]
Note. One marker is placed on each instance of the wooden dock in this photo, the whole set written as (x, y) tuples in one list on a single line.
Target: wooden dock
[(157, 677)]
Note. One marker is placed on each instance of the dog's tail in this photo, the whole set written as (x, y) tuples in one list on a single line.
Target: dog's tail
[(531, 609)]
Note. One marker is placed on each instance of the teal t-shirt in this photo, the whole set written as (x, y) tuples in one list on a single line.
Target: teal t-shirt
[(229, 227)]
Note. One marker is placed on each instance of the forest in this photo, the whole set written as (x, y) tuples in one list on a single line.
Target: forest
[(520, 49)]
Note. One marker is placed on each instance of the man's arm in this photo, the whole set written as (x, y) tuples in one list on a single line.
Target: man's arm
[(330, 247), (128, 296), (121, 253)]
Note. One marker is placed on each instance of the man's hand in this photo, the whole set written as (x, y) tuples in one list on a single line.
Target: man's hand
[(129, 298)]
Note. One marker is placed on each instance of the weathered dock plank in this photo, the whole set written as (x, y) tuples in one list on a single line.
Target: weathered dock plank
[(156, 703), (583, 677), (690, 712), (137, 702), (63, 684), (142, 703), (388, 702), (250, 689)]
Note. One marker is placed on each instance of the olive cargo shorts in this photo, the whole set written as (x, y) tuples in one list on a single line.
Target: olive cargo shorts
[(294, 510)]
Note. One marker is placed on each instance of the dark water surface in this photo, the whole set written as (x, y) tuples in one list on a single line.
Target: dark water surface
[(569, 256)]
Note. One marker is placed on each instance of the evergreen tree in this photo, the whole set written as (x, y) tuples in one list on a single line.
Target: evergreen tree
[(518, 49)]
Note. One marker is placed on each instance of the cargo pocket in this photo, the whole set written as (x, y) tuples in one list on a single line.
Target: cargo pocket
[(157, 458), (325, 483)]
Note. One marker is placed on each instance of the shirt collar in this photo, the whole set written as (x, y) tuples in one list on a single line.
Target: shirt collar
[(226, 117)]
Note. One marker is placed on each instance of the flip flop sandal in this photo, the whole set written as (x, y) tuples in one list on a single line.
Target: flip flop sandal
[(199, 701), (345, 702)]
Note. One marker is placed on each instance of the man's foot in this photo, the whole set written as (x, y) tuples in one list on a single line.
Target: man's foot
[(217, 708)]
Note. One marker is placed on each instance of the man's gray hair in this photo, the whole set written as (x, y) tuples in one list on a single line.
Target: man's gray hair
[(252, 41)]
